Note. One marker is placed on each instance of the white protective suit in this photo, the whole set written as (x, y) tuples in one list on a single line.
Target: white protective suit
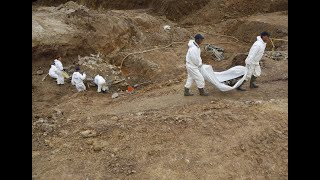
[(53, 72), (254, 56), (101, 83), (77, 80), (193, 63), (58, 64)]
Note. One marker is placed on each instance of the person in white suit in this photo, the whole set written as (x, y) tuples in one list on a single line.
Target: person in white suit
[(193, 63), (253, 59), (59, 66), (53, 71), (77, 80), (101, 83)]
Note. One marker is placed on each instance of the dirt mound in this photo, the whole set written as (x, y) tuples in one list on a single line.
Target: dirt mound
[(188, 11), (247, 29), (172, 9), (71, 30), (96, 64), (175, 10), (157, 66), (238, 8), (95, 4), (220, 10)]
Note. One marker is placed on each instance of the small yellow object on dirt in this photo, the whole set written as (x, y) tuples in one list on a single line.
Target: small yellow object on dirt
[(65, 75)]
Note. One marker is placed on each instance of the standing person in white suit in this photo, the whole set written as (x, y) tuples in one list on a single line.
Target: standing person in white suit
[(77, 80), (193, 63), (253, 59), (101, 83), (58, 64)]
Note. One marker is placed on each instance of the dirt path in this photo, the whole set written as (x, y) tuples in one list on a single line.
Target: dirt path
[(163, 135)]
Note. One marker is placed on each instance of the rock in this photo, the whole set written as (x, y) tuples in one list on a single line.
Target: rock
[(59, 113), (41, 120), (242, 148), (258, 102), (64, 132), (39, 72), (88, 133), (114, 118), (248, 102), (46, 141), (55, 151), (48, 128), (166, 28), (114, 95), (54, 116), (227, 16), (272, 100), (98, 146), (90, 142)]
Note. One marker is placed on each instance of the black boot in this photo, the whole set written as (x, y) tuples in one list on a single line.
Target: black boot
[(202, 92), (240, 88), (253, 82), (187, 92)]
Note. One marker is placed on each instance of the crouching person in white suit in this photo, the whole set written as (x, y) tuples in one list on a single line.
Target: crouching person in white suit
[(193, 63), (53, 71), (101, 83), (77, 80)]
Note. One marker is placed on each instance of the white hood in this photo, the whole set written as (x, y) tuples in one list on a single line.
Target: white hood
[(192, 44), (260, 39)]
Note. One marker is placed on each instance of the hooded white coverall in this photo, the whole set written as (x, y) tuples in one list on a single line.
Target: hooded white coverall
[(101, 83), (58, 64), (53, 72), (193, 63), (254, 56), (77, 80)]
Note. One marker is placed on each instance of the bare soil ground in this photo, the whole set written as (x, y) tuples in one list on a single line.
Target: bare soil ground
[(156, 132)]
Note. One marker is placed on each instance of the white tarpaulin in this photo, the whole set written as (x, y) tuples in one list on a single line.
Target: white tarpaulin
[(217, 78)]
